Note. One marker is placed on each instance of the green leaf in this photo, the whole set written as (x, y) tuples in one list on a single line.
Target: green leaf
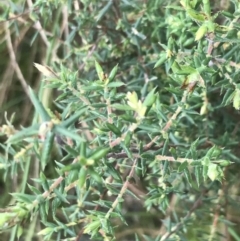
[(83, 148), (115, 84), (38, 105), (44, 182), (214, 152), (60, 130), (99, 153), (227, 14), (94, 175), (93, 87), (70, 150), (183, 166), (34, 189), (198, 172), (43, 213), (173, 152), (113, 172), (92, 226), (26, 198), (120, 107), (162, 59), (55, 204), (165, 146), (73, 175), (99, 71), (23, 134), (75, 166), (127, 150), (73, 118), (114, 129), (46, 231), (113, 74), (224, 163), (205, 172), (148, 155), (234, 233), (47, 149), (127, 139), (60, 195), (128, 118), (196, 15), (82, 177), (150, 98), (236, 99), (213, 172), (201, 32), (178, 8), (188, 176), (186, 70), (228, 96), (98, 105), (103, 11), (19, 232)]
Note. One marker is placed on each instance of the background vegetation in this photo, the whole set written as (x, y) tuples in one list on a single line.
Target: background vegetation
[(119, 120)]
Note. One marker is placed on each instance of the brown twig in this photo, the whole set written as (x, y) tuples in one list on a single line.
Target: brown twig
[(90, 53), (135, 151), (109, 113), (122, 191), (195, 206), (65, 26), (172, 159), (21, 15), (80, 233), (170, 121), (47, 193), (222, 200), (222, 61), (39, 26), (210, 38), (13, 58), (121, 155)]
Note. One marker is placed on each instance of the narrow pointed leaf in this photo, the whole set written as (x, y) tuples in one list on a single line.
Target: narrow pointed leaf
[(38, 106)]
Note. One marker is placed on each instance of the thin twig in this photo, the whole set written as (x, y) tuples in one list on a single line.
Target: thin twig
[(210, 43), (76, 6), (13, 58), (222, 195), (109, 113), (39, 26), (47, 193), (89, 54), (195, 206), (179, 109), (123, 190), (64, 25), (121, 155), (135, 151), (170, 121), (21, 15), (172, 159), (80, 233), (231, 63)]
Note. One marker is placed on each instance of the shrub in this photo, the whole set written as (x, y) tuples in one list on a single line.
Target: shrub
[(135, 122)]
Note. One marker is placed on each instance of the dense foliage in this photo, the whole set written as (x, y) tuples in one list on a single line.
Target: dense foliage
[(119, 120)]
